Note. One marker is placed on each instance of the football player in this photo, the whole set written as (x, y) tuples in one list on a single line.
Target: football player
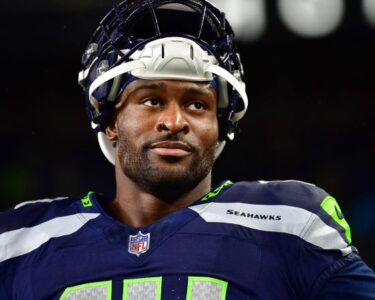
[(164, 92)]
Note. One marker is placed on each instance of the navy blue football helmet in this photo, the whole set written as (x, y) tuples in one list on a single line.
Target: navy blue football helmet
[(162, 39)]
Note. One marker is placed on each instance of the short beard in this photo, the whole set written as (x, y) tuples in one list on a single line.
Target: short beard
[(159, 181)]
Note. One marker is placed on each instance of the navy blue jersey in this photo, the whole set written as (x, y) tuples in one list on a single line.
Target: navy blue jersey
[(249, 240)]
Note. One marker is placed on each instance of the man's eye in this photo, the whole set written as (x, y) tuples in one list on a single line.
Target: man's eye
[(196, 106), (151, 102)]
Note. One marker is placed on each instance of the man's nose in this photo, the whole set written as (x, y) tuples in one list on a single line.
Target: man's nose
[(172, 120)]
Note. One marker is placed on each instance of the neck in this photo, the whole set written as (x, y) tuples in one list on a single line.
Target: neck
[(137, 207)]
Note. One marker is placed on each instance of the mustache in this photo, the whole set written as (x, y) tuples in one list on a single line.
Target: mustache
[(170, 138)]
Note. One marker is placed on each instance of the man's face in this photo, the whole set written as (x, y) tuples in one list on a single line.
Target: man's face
[(166, 132)]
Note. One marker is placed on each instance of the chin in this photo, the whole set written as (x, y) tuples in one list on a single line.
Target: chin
[(169, 179), (164, 175)]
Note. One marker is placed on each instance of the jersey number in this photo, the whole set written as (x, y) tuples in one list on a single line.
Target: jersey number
[(198, 288)]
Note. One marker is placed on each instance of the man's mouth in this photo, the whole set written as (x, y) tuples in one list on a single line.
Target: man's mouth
[(171, 148)]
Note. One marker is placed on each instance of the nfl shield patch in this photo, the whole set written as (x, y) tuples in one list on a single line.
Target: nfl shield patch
[(139, 243)]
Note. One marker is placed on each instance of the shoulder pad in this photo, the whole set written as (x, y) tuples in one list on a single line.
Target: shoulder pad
[(31, 213), (32, 224), (290, 206)]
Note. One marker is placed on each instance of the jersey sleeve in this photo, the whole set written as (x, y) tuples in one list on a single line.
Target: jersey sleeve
[(322, 223), (3, 296), (325, 255), (355, 281), (343, 274)]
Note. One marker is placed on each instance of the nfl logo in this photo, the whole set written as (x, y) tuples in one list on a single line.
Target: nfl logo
[(139, 243)]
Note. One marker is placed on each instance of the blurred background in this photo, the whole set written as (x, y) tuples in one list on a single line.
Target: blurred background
[(309, 68)]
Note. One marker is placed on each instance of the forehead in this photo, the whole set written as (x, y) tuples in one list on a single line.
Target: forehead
[(171, 86)]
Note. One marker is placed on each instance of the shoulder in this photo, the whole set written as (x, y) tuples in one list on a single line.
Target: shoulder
[(31, 213), (31, 224), (289, 195), (289, 207), (279, 192), (295, 220)]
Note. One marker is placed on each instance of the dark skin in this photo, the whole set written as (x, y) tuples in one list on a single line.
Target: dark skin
[(170, 131)]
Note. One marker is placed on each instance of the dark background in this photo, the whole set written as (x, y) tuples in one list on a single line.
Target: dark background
[(310, 115)]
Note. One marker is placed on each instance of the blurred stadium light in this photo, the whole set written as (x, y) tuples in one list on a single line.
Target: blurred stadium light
[(368, 10), (311, 18), (247, 17), (305, 18)]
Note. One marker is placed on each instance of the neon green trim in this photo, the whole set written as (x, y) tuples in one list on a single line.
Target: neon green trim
[(157, 280), (107, 284), (86, 202), (330, 205), (191, 279), (216, 191)]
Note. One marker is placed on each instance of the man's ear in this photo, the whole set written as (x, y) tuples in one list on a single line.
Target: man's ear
[(111, 131)]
